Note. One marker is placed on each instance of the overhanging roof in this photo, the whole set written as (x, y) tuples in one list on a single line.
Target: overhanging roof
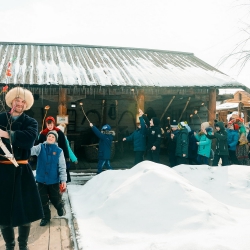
[(227, 106), (84, 65)]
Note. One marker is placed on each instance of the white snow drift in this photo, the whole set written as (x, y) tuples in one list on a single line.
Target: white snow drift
[(154, 207)]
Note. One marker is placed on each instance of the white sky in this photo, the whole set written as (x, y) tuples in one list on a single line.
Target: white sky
[(210, 29), (154, 207)]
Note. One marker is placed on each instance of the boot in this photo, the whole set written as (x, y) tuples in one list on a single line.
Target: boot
[(23, 235), (9, 237)]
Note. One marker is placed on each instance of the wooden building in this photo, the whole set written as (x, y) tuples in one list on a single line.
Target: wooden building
[(240, 103), (112, 83)]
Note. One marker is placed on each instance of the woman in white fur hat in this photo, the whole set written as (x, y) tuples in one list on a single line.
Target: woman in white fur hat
[(20, 200)]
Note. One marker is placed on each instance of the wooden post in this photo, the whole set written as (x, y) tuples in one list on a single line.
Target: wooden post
[(140, 104), (239, 109), (102, 114), (62, 108), (167, 107), (140, 100), (184, 109), (245, 116), (116, 118), (212, 105)]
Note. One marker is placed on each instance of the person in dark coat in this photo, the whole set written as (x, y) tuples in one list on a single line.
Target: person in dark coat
[(171, 136), (221, 151), (20, 200), (139, 139), (51, 125), (182, 143), (106, 137), (154, 137), (50, 173), (192, 148)]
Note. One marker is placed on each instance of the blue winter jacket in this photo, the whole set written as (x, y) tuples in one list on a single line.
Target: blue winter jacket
[(232, 139), (51, 165), (204, 143), (139, 137), (105, 143)]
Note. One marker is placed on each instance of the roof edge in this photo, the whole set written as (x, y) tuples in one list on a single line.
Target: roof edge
[(94, 46)]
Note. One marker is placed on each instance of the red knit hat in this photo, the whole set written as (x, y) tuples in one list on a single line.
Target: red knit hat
[(50, 118), (236, 126)]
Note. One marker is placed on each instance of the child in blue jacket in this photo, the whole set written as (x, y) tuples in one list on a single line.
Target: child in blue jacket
[(232, 141), (50, 172), (204, 144), (106, 137), (139, 139)]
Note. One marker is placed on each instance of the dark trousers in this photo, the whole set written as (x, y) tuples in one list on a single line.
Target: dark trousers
[(68, 175), (50, 193), (233, 158), (138, 156), (181, 160), (153, 155), (224, 159), (201, 159), (101, 164), (172, 159)]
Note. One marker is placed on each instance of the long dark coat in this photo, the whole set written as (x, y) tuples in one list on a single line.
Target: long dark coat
[(20, 200), (221, 139), (182, 143), (139, 137)]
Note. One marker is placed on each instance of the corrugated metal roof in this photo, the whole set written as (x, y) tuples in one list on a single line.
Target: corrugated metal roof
[(67, 65)]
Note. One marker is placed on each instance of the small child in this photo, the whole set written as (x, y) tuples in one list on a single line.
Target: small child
[(204, 144), (153, 133), (139, 139), (50, 172), (232, 141), (171, 137), (182, 143), (106, 137)]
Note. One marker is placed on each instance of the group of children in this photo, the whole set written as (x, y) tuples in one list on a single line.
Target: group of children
[(184, 146), (187, 146)]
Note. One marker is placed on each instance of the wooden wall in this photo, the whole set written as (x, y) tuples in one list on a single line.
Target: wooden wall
[(125, 116)]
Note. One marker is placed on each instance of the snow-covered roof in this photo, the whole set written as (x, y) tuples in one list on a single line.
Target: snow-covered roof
[(60, 64), (227, 106)]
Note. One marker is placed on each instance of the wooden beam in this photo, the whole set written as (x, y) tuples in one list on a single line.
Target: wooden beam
[(212, 105), (62, 107), (239, 109), (116, 119), (167, 107), (184, 109), (102, 114), (140, 100)]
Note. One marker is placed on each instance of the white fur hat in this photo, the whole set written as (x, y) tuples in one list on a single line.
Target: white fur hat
[(25, 94), (205, 125)]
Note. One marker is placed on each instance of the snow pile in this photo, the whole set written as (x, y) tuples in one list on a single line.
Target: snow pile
[(152, 206)]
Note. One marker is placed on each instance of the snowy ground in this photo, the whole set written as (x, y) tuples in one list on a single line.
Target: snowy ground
[(154, 207)]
